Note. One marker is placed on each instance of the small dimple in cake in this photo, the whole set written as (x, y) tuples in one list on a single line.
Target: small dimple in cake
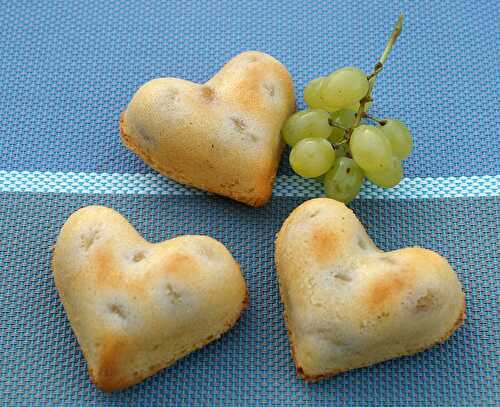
[(137, 307), (208, 93), (138, 256), (222, 136), (347, 303), (88, 238)]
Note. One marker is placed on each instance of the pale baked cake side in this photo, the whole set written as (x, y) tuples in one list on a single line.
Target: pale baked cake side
[(137, 307), (350, 305), (222, 136)]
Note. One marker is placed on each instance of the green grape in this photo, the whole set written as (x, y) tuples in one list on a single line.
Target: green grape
[(312, 93), (355, 106), (343, 88), (304, 124), (399, 136), (312, 157), (344, 118), (388, 177), (370, 148), (344, 180)]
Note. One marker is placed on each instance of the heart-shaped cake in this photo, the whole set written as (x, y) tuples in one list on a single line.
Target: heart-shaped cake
[(222, 136), (136, 307), (349, 304)]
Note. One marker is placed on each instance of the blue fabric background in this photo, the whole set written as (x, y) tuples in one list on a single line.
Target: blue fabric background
[(68, 68)]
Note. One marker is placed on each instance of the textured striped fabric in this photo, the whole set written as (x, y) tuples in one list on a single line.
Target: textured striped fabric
[(285, 185), (68, 69)]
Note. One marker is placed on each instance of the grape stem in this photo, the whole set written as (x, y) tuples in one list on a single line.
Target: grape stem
[(373, 76), (338, 126), (373, 118)]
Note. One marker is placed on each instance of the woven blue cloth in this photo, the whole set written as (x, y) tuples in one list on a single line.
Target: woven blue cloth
[(67, 70)]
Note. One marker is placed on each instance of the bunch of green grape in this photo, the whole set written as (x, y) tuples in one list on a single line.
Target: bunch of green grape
[(328, 140)]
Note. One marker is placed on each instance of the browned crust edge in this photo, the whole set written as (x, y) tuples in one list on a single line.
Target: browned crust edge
[(315, 378), (251, 200), (122, 385)]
